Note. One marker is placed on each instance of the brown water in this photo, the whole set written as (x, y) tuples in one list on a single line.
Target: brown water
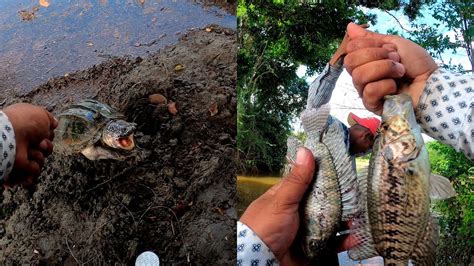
[(48, 38), (249, 188)]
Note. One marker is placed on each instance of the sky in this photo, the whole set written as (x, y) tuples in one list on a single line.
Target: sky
[(345, 98)]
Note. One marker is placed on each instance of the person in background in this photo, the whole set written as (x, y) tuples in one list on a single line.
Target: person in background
[(27, 133)]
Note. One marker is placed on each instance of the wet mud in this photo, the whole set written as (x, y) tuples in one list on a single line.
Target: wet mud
[(178, 201)]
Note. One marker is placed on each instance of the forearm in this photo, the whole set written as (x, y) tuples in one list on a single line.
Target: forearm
[(446, 108), (251, 250), (7, 146)]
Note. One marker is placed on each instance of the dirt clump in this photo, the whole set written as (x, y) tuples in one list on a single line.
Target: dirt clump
[(178, 201)]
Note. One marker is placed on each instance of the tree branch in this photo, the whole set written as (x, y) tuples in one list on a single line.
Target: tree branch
[(396, 19)]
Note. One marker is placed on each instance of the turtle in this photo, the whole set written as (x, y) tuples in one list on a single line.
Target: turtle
[(96, 130)]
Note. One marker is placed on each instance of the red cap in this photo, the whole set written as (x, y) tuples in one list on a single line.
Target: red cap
[(371, 123)]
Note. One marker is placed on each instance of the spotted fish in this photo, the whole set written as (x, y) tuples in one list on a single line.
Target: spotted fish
[(398, 192), (332, 195)]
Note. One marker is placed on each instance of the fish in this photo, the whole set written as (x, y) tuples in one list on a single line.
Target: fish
[(399, 226), (332, 195)]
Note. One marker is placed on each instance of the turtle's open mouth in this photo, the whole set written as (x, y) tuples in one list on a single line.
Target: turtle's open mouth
[(126, 143)]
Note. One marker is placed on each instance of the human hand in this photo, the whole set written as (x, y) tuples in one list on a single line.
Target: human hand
[(342, 49), (34, 133), (274, 216), (377, 62)]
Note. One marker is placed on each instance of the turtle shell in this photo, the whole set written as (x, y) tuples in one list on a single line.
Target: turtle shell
[(81, 125)]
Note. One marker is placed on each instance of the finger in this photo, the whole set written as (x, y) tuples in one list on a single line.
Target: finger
[(357, 44), (53, 122), (377, 70), (295, 184), (37, 156), (273, 190), (21, 158), (356, 31), (46, 147), (51, 135), (347, 242), (30, 181), (374, 92), (367, 55), (33, 168)]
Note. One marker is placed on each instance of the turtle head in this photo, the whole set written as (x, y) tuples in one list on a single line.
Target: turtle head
[(119, 134)]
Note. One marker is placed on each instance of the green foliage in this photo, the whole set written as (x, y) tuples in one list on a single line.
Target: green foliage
[(454, 16), (275, 37), (456, 215)]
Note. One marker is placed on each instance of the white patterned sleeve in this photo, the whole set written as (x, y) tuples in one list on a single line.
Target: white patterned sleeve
[(7, 146), (251, 250), (446, 108)]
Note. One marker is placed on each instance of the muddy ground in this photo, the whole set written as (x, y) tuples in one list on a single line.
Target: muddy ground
[(178, 202)]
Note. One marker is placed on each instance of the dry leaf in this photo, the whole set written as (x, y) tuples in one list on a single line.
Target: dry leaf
[(157, 99), (178, 67), (213, 109), (44, 3), (172, 108)]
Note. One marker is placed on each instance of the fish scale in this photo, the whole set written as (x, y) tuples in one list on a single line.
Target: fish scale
[(332, 197), (398, 196)]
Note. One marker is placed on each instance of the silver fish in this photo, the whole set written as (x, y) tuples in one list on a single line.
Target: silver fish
[(332, 195), (398, 192)]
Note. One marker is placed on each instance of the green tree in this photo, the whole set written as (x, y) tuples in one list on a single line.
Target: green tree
[(453, 15), (275, 38), (456, 215)]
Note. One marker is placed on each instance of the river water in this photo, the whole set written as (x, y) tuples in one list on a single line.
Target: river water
[(47, 38)]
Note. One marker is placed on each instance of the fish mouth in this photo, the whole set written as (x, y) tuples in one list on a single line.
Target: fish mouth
[(126, 143)]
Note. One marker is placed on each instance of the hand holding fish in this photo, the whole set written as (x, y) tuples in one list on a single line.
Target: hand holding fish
[(385, 65), (275, 217)]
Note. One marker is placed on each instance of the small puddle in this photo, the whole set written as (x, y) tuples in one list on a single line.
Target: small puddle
[(46, 38)]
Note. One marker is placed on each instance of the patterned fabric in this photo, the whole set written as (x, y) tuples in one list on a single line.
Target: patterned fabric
[(446, 108), (7, 146), (251, 250)]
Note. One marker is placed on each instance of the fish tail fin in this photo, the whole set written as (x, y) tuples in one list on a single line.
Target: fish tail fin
[(347, 178), (440, 187), (425, 251), (315, 120), (365, 247), (292, 146)]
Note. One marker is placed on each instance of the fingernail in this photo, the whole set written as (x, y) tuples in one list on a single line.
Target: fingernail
[(399, 68), (43, 145), (300, 156)]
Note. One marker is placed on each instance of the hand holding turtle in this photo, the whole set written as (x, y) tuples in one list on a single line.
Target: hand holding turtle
[(377, 62), (33, 127)]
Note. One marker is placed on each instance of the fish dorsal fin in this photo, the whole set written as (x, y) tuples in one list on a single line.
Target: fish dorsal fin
[(292, 146), (440, 187), (346, 175), (360, 229), (315, 120)]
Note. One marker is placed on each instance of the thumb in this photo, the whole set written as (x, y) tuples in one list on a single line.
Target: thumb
[(295, 184), (355, 31)]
